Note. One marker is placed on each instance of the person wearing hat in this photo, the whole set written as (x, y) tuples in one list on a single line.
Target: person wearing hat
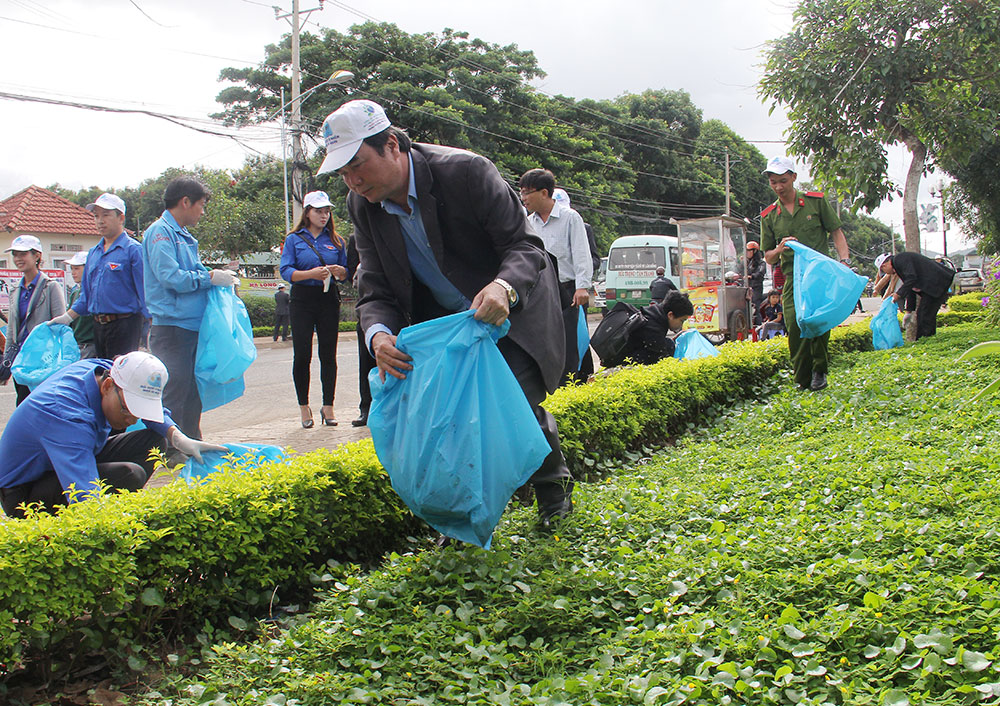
[(808, 218), (919, 275), (439, 231), (83, 326), (281, 312), (34, 300), (62, 440), (312, 256), (756, 272), (112, 290), (176, 286)]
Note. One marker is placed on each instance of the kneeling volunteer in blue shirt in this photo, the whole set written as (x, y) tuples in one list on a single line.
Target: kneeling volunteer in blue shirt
[(59, 441)]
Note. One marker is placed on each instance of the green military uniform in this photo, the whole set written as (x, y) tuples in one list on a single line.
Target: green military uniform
[(83, 327), (811, 224)]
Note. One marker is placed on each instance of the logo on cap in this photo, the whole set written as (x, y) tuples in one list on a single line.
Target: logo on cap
[(153, 384)]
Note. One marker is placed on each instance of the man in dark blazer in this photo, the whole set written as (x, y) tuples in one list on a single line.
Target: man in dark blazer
[(928, 278), (439, 231), (281, 319)]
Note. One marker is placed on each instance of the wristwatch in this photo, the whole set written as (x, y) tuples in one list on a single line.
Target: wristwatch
[(511, 294)]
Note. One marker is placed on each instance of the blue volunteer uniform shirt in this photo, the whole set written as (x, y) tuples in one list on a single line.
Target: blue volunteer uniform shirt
[(27, 289), (112, 280), (176, 282), (61, 427), (297, 255)]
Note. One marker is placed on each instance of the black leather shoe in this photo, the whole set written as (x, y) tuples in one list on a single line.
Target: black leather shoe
[(360, 421), (818, 382), (444, 541), (549, 517)]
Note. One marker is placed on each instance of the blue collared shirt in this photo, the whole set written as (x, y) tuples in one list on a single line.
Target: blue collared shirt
[(297, 255), (112, 280), (176, 283), (61, 427), (423, 264), (27, 289)]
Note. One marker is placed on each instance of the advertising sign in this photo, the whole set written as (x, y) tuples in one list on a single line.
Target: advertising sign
[(706, 309), (10, 278)]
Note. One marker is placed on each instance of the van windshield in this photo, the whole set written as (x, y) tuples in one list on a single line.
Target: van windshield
[(638, 257)]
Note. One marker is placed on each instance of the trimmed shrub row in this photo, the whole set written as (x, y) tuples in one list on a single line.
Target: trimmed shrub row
[(971, 301), (268, 331), (130, 568)]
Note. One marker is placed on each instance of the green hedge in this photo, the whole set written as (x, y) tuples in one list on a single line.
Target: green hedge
[(268, 331), (950, 318), (261, 312), (973, 301), (134, 567)]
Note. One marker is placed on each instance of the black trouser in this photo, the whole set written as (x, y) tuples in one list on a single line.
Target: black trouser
[(573, 368), (366, 363), (756, 297), (312, 309), (118, 337), (281, 323), (927, 309), (22, 392), (552, 481), (123, 464), (176, 348)]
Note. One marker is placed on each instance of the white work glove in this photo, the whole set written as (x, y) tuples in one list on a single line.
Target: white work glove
[(193, 447), (64, 319), (223, 278)]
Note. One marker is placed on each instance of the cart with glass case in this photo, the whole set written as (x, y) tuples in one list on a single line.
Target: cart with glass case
[(713, 273)]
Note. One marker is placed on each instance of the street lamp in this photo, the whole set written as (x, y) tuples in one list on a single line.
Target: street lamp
[(337, 77), (939, 191)]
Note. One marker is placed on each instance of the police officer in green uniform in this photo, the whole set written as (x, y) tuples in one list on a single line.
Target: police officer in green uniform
[(808, 218)]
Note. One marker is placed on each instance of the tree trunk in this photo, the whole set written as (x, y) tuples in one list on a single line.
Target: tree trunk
[(911, 226)]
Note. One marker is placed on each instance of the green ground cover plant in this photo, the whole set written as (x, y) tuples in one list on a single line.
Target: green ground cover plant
[(804, 548)]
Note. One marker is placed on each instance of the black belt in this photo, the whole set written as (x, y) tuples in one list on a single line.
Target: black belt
[(108, 318)]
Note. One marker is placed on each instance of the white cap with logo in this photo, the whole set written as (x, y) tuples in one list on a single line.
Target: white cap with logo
[(560, 195), (880, 259), (79, 258), (346, 127), (108, 202), (780, 165), (316, 199), (141, 376), (24, 243)]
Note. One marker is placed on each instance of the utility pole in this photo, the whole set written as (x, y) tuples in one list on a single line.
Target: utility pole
[(727, 180), (298, 154), (944, 219)]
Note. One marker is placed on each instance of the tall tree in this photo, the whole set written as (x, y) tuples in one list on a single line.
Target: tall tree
[(857, 75)]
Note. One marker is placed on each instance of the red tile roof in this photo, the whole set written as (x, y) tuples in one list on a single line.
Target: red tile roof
[(38, 210)]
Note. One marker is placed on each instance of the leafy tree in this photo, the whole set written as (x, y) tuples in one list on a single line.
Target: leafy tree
[(749, 191), (857, 75)]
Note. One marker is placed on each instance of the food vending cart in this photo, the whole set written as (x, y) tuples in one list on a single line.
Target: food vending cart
[(713, 273)]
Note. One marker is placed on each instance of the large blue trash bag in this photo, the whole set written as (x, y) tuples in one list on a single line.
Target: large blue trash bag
[(886, 332), (246, 456), (582, 336), (47, 349), (225, 349), (457, 435), (691, 345), (825, 291)]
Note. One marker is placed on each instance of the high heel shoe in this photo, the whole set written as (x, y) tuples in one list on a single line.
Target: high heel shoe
[(327, 421), (308, 423)]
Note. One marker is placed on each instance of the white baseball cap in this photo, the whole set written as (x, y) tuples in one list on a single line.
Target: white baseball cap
[(24, 243), (79, 258), (780, 165), (346, 127), (109, 202), (880, 259), (141, 376), (560, 195), (316, 199)]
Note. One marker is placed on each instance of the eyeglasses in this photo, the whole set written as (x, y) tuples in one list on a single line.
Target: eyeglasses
[(121, 401), (525, 193)]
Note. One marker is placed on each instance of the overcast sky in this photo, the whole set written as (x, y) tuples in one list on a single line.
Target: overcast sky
[(165, 56)]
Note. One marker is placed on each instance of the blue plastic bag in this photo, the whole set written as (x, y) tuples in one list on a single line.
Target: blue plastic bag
[(886, 332), (825, 291), (457, 435), (47, 349), (582, 336), (225, 349), (691, 345), (247, 456)]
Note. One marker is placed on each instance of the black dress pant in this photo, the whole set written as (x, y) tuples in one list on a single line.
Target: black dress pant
[(281, 324), (366, 363), (573, 369), (311, 309), (927, 309), (123, 464), (176, 348), (118, 337)]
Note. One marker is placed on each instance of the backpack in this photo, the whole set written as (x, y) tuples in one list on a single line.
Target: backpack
[(610, 339)]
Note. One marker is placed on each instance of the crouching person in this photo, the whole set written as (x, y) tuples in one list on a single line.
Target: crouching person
[(61, 440), (653, 339)]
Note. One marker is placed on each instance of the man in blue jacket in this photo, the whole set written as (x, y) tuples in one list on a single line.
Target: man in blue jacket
[(176, 286), (111, 290), (58, 444)]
